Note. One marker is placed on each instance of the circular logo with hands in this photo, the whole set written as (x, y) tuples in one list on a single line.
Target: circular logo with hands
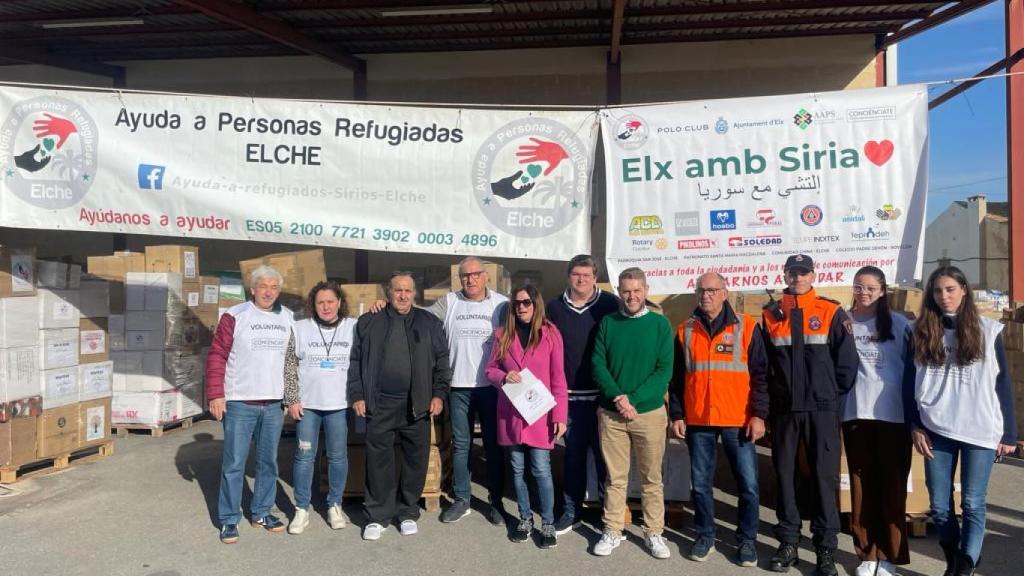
[(531, 177), (48, 152)]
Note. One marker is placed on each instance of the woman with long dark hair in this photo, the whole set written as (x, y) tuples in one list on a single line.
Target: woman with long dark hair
[(316, 376), (875, 433), (963, 405), (528, 341)]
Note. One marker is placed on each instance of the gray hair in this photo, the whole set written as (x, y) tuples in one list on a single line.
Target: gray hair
[(264, 271), (399, 274), (469, 259)]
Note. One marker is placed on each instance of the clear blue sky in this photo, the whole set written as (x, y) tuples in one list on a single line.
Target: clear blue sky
[(967, 133)]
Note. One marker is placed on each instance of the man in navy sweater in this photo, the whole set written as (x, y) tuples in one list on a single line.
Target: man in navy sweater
[(576, 313)]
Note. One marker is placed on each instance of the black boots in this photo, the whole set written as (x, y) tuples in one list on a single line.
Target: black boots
[(964, 565), (951, 553), (826, 565), (784, 558)]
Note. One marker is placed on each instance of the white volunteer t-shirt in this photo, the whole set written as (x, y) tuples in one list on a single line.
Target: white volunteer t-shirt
[(878, 392), (323, 355), (255, 369), (470, 327)]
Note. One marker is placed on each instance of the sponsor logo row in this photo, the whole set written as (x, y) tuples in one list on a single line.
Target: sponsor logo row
[(693, 223)]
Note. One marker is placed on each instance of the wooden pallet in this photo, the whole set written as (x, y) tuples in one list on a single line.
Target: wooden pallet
[(12, 474), (917, 525), (123, 430)]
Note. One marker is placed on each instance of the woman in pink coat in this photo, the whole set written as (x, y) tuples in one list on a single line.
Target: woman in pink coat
[(529, 341)]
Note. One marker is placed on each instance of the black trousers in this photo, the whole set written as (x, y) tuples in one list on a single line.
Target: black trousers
[(394, 416), (819, 432)]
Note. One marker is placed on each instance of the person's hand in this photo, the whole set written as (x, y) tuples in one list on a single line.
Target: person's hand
[(1005, 450), (560, 429), (27, 160), (218, 406), (679, 428), (378, 306), (505, 188), (54, 126), (755, 429), (295, 411), (921, 443), (513, 377), (359, 407), (436, 406), (625, 408), (543, 151)]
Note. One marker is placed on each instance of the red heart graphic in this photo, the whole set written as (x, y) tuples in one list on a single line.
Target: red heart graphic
[(878, 152)]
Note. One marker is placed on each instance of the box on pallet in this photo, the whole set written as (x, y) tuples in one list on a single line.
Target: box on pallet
[(58, 308), (360, 297), (18, 441), (51, 274), (159, 370), (57, 431), (158, 330), (59, 387), (25, 407), (148, 408), (19, 374), (95, 381), (58, 348), (170, 258), (17, 272), (300, 270), (116, 332), (19, 322), (94, 299), (155, 292), (93, 422), (115, 269), (93, 345)]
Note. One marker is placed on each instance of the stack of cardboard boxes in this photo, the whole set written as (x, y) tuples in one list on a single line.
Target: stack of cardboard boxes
[(1013, 340), (162, 314), (300, 270), (20, 393)]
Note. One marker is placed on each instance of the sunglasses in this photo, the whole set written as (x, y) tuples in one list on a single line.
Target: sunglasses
[(523, 303)]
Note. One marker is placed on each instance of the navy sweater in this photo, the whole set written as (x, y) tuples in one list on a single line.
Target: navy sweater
[(579, 327)]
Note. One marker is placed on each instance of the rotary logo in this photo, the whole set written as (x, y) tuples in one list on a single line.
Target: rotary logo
[(48, 152)]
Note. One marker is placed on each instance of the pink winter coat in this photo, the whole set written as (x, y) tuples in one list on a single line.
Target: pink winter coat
[(545, 361)]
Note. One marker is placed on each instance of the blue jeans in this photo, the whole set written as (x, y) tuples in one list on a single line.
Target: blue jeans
[(540, 469), (975, 468), (244, 423), (581, 438), (307, 430), (702, 442), (467, 404)]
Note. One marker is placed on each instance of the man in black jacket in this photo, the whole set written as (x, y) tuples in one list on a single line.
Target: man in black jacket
[(398, 377)]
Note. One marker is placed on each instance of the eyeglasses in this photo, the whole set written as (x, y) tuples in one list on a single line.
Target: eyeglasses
[(861, 289), (468, 275), (523, 303), (710, 291)]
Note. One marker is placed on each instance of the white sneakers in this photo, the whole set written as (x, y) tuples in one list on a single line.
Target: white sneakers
[(299, 522), (657, 546), (335, 517), (408, 527), (372, 531), (872, 568), (609, 541)]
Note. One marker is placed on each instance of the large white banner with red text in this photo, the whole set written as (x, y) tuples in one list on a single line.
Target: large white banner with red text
[(734, 186), (512, 183)]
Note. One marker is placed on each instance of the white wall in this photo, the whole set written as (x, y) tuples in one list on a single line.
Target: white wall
[(954, 234)]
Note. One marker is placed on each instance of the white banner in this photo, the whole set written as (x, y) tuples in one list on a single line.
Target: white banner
[(441, 180), (735, 186)]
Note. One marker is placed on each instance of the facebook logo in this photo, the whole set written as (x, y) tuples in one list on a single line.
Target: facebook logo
[(151, 177), (723, 220)]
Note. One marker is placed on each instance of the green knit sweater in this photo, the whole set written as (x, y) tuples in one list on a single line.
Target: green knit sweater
[(633, 356)]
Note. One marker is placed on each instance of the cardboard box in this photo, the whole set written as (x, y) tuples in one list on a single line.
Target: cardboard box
[(157, 291), (19, 322), (906, 299), (94, 422), (58, 348), (360, 297), (95, 381), (191, 399), (231, 290), (59, 387), (74, 276), (116, 332), (155, 371), (58, 308), (50, 274), (92, 339), (17, 272), (149, 408), (300, 270), (1013, 335), (119, 381), (18, 441), (57, 431), (116, 267), (21, 408), (157, 331), (19, 373), (94, 299), (169, 258), (498, 278)]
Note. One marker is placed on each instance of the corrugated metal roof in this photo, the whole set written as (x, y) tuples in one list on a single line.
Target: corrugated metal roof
[(175, 30)]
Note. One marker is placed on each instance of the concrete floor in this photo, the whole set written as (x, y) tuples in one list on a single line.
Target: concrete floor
[(149, 509)]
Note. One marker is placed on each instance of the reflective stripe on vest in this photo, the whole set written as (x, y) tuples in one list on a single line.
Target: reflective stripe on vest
[(737, 364), (808, 339)]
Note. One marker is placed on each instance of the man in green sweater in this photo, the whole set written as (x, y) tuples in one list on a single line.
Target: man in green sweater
[(632, 366)]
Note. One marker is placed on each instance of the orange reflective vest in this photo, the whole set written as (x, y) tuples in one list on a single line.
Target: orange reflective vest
[(716, 391)]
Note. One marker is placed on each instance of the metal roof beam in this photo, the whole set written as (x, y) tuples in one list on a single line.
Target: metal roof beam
[(280, 32), (35, 55), (935, 19), (960, 88), (618, 8)]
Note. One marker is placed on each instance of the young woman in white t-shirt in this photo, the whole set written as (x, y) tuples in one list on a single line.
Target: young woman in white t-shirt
[(962, 410), (316, 376), (875, 433)]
